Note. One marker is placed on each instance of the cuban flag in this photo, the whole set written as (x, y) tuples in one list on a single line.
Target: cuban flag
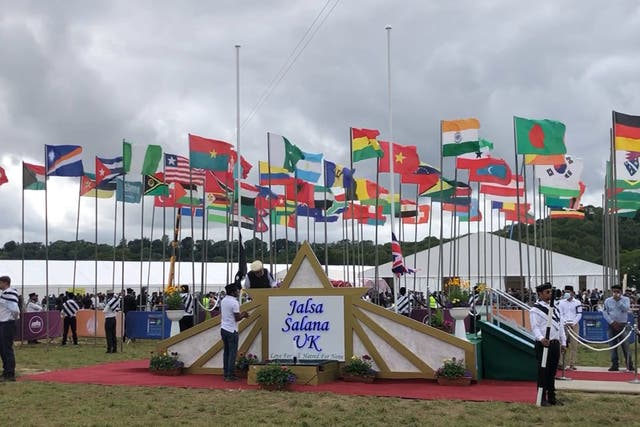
[(398, 266), (63, 160)]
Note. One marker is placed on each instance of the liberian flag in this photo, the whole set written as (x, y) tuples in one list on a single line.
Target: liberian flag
[(398, 266)]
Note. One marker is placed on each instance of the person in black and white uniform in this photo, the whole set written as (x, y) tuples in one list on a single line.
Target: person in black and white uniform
[(110, 309), (32, 306), (9, 312), (69, 309), (403, 302), (187, 299), (557, 342)]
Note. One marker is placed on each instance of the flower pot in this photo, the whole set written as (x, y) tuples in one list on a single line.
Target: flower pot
[(354, 378), (175, 316), (460, 381), (459, 314), (274, 387), (167, 373)]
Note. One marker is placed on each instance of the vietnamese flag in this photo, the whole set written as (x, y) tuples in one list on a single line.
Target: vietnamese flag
[(405, 157)]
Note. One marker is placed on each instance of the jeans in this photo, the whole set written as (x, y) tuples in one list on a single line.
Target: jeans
[(625, 349), (7, 334), (230, 341)]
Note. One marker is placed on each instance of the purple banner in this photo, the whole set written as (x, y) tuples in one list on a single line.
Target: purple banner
[(33, 326)]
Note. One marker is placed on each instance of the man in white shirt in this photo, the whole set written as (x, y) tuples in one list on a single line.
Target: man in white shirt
[(230, 316), (9, 312), (110, 309), (570, 313), (556, 342)]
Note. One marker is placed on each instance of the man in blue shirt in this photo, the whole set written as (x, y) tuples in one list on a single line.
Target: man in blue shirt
[(616, 312)]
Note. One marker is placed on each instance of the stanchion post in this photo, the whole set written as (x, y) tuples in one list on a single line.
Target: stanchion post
[(635, 380)]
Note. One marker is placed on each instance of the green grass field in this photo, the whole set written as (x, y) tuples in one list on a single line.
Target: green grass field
[(44, 404)]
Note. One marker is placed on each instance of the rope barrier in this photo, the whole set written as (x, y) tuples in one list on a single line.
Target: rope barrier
[(578, 339), (208, 309)]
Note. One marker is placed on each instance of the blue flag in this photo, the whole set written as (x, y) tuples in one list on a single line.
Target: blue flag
[(132, 192), (63, 160)]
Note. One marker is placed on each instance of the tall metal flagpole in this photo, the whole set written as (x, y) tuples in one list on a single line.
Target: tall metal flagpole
[(238, 165), (391, 157)]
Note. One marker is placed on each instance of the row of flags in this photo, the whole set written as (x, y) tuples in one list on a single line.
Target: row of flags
[(540, 141)]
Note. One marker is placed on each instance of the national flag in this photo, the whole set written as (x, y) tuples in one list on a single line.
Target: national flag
[(88, 187), (405, 158), (128, 191), (177, 169), (397, 266), (487, 169), (141, 159), (421, 218), (242, 263), (185, 194), (555, 202), (108, 169), (540, 159), (309, 168), (373, 216), (364, 144), (367, 190), (285, 220), (300, 191), (326, 218), (460, 136), (210, 154), (304, 210), (165, 201), (539, 136), (337, 175), (628, 165), (523, 217), (561, 180), (63, 160), (566, 214), (425, 175), (323, 197), (513, 189), (626, 129), (32, 177), (3, 176), (292, 154), (154, 185), (197, 212), (273, 175)]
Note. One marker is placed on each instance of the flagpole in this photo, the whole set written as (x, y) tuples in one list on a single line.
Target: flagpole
[(22, 258), (515, 146), (46, 232), (122, 294), (238, 165), (391, 157), (95, 256), (75, 249)]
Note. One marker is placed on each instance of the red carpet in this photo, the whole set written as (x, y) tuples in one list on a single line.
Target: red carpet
[(135, 373), (597, 376)]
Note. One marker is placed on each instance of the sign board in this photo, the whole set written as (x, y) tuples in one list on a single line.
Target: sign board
[(306, 327)]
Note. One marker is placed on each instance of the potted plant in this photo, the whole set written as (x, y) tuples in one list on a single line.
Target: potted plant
[(165, 364), (457, 292), (358, 369), (437, 321), (243, 362), (172, 299), (275, 377), (453, 372)]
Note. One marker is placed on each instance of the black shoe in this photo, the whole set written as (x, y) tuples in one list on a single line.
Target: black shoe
[(545, 403), (613, 368), (556, 402), (64, 343)]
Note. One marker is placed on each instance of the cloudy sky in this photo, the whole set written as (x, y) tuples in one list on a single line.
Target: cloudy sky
[(93, 73)]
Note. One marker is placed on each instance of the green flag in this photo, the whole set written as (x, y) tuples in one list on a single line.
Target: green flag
[(154, 185), (291, 155), (140, 159), (544, 137), (456, 149)]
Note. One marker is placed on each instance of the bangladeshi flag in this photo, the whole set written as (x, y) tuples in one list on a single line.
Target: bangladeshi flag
[(539, 136), (627, 132)]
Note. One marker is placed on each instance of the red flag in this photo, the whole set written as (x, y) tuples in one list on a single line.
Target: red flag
[(422, 218), (3, 176), (300, 191), (406, 159), (487, 169)]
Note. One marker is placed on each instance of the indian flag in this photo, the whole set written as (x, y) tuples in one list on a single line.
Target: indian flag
[(460, 136)]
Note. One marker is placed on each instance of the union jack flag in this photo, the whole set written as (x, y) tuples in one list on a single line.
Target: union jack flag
[(398, 266)]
